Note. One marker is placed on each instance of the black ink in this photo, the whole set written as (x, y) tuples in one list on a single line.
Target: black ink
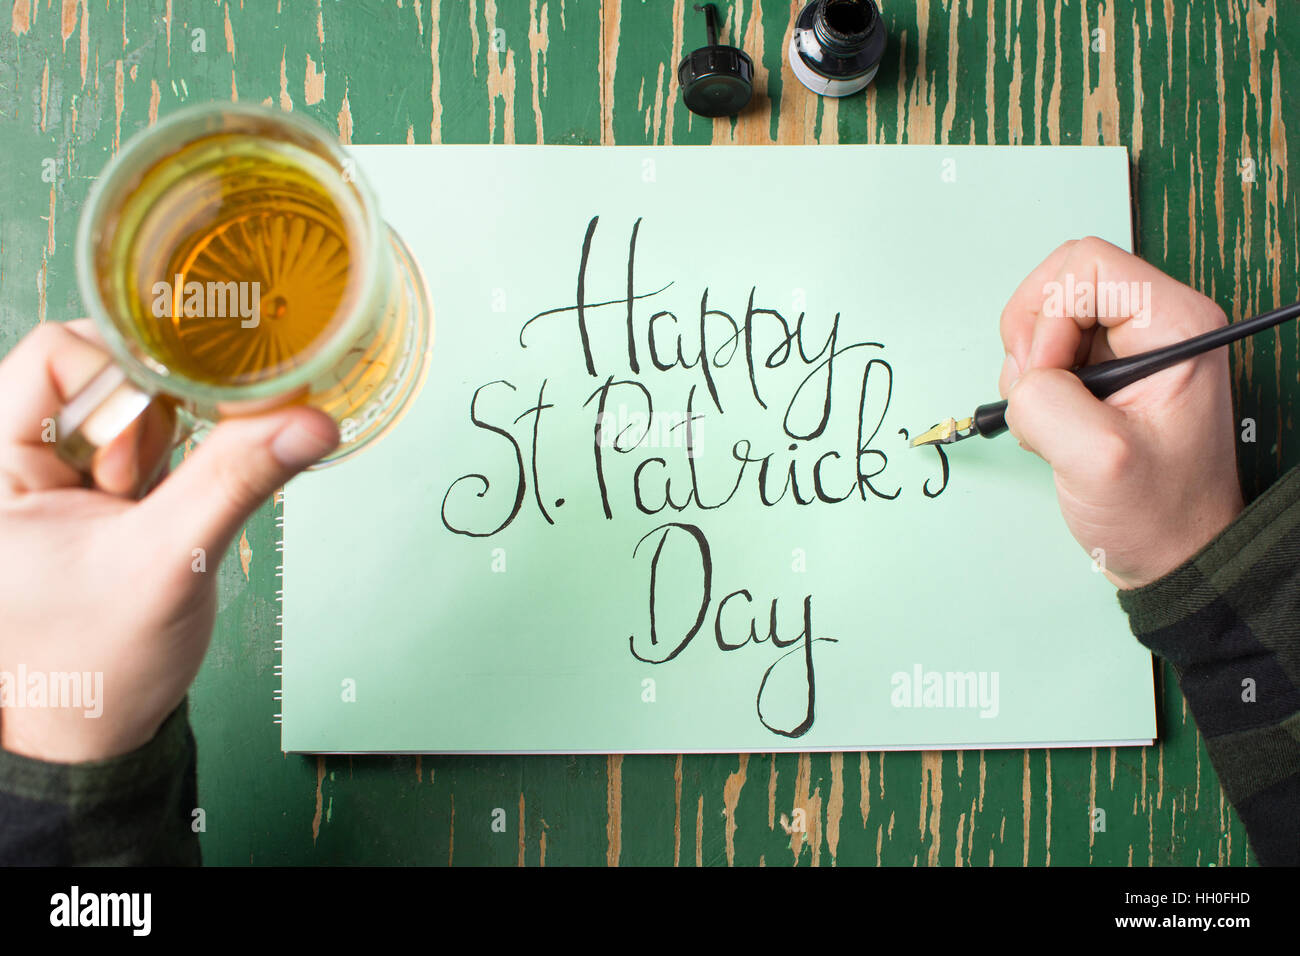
[(636, 486), (943, 461), (520, 486), (827, 364), (706, 565), (763, 464), (536, 411), (603, 392), (690, 459), (809, 676), (631, 335), (724, 645), (582, 306), (864, 448), (654, 351), (597, 438), (705, 312), (817, 481), (807, 417), (750, 312), (794, 486)]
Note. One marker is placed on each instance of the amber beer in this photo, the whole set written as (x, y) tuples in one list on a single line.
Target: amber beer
[(233, 259)]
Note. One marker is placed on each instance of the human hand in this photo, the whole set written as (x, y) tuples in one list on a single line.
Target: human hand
[(1148, 476), (100, 584)]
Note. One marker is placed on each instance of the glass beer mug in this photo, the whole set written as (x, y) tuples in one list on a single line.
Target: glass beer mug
[(233, 260)]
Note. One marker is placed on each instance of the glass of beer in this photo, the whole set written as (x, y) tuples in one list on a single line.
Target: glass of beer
[(234, 260)]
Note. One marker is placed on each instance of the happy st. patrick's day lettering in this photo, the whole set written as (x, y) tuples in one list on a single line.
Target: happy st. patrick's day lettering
[(655, 354)]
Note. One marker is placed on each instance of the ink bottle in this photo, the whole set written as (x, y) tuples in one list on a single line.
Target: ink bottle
[(836, 45)]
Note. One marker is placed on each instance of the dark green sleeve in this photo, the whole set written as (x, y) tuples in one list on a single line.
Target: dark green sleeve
[(1228, 621), (136, 809)]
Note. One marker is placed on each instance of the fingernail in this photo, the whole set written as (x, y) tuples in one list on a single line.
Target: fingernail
[(1010, 370), (298, 445)]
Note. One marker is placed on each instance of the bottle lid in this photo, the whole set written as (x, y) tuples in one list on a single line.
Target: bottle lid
[(716, 80)]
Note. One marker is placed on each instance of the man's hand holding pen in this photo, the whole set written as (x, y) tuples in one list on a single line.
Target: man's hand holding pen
[(1149, 475)]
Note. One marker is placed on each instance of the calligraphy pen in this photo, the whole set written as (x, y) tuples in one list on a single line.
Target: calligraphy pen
[(1106, 378)]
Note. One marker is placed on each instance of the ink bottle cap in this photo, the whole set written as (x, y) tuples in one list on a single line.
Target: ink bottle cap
[(836, 45), (716, 80)]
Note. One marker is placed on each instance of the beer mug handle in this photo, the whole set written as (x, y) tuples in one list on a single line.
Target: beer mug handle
[(97, 414)]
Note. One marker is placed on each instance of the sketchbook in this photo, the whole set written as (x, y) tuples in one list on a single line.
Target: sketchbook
[(657, 494)]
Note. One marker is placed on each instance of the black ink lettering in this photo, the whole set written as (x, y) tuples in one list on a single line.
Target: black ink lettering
[(636, 486), (598, 429), (690, 458), (864, 448), (706, 565), (582, 307), (750, 312), (943, 462), (631, 336), (536, 411), (705, 312), (810, 711), (724, 645), (521, 483), (654, 352), (817, 480)]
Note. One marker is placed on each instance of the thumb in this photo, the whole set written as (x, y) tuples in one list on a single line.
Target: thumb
[(234, 469), (1054, 415)]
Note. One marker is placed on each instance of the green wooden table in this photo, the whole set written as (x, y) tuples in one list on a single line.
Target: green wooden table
[(1207, 98)]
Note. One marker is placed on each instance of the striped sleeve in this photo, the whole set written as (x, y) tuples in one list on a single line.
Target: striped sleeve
[(1228, 621), (135, 809)]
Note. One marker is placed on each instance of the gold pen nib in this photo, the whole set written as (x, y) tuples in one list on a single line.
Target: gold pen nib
[(946, 432)]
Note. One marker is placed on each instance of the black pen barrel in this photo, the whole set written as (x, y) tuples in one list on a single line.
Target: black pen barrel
[(991, 419), (1107, 378)]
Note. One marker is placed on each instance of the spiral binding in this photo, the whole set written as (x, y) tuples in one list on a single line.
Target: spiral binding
[(278, 668)]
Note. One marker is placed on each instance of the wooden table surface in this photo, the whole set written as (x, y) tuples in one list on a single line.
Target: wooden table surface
[(1205, 95)]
